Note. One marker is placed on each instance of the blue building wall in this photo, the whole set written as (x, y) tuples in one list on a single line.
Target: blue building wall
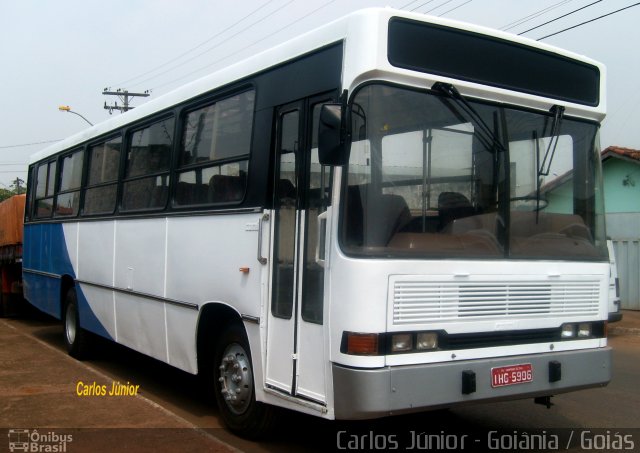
[(622, 204), (621, 186)]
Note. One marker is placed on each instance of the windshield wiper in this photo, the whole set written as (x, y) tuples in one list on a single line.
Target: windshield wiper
[(491, 140), (486, 135), (558, 113)]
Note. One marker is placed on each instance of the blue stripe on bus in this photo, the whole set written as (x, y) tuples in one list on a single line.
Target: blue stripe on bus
[(43, 292), (45, 250), (88, 319)]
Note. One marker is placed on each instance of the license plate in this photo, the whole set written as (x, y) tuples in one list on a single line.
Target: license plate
[(511, 375)]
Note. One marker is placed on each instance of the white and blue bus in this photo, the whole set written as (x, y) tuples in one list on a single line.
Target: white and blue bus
[(391, 213)]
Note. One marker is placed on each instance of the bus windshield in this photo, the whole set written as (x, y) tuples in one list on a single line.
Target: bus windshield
[(432, 177)]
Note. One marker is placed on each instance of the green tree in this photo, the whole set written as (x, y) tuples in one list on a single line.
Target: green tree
[(16, 188), (4, 194)]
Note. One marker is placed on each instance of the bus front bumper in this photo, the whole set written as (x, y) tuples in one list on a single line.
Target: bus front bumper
[(370, 393)]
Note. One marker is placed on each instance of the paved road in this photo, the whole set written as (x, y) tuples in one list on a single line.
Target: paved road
[(39, 386)]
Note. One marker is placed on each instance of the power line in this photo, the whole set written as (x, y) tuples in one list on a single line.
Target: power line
[(425, 3), (588, 21), (412, 1), (237, 51), (559, 17), (532, 16), (171, 68), (441, 4), (195, 47), (29, 144), (453, 9)]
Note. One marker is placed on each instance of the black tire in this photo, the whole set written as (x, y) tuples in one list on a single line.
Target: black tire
[(76, 338), (234, 386)]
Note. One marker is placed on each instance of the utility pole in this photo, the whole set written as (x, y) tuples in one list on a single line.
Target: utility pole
[(17, 183), (124, 96)]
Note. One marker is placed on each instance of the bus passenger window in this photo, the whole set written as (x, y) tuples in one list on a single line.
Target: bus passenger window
[(146, 183), (104, 161), (214, 152), (68, 199), (44, 189)]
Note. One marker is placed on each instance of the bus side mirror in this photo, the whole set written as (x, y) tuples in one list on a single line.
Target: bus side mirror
[(332, 149)]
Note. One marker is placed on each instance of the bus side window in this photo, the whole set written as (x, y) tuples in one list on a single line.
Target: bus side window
[(146, 183), (68, 197), (214, 152), (45, 183), (102, 180)]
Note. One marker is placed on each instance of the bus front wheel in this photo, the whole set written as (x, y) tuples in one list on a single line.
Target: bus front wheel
[(234, 386), (75, 337)]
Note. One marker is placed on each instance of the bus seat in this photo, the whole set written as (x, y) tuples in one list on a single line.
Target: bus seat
[(159, 196), (286, 189), (354, 215), (190, 194), (225, 188), (373, 219), (137, 194), (286, 193), (452, 206), (387, 214)]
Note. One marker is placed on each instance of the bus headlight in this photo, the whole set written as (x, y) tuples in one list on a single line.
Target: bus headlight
[(568, 331), (584, 330), (401, 342), (581, 330), (427, 341), (373, 344)]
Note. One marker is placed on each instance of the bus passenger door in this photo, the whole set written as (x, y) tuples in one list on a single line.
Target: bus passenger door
[(295, 337)]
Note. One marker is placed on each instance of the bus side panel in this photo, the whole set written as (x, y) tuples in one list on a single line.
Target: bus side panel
[(45, 260), (95, 252), (43, 292), (141, 325), (181, 339), (140, 247), (139, 266), (205, 257), (94, 271), (95, 305), (210, 258), (96, 309)]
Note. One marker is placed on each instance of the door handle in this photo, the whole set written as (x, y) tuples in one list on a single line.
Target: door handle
[(261, 259), (321, 238)]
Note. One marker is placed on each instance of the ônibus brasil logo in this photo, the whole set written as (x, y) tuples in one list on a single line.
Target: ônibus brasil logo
[(30, 440)]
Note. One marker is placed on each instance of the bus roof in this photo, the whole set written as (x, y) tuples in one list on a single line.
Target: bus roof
[(358, 26)]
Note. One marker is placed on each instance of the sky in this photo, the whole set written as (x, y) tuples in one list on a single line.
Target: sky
[(66, 52)]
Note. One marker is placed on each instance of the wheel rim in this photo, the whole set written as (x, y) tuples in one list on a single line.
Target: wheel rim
[(70, 324), (236, 378)]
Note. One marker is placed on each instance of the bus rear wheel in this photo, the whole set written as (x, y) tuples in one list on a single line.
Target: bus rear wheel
[(75, 337), (235, 388)]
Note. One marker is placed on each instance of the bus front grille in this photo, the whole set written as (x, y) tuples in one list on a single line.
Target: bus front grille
[(416, 301)]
